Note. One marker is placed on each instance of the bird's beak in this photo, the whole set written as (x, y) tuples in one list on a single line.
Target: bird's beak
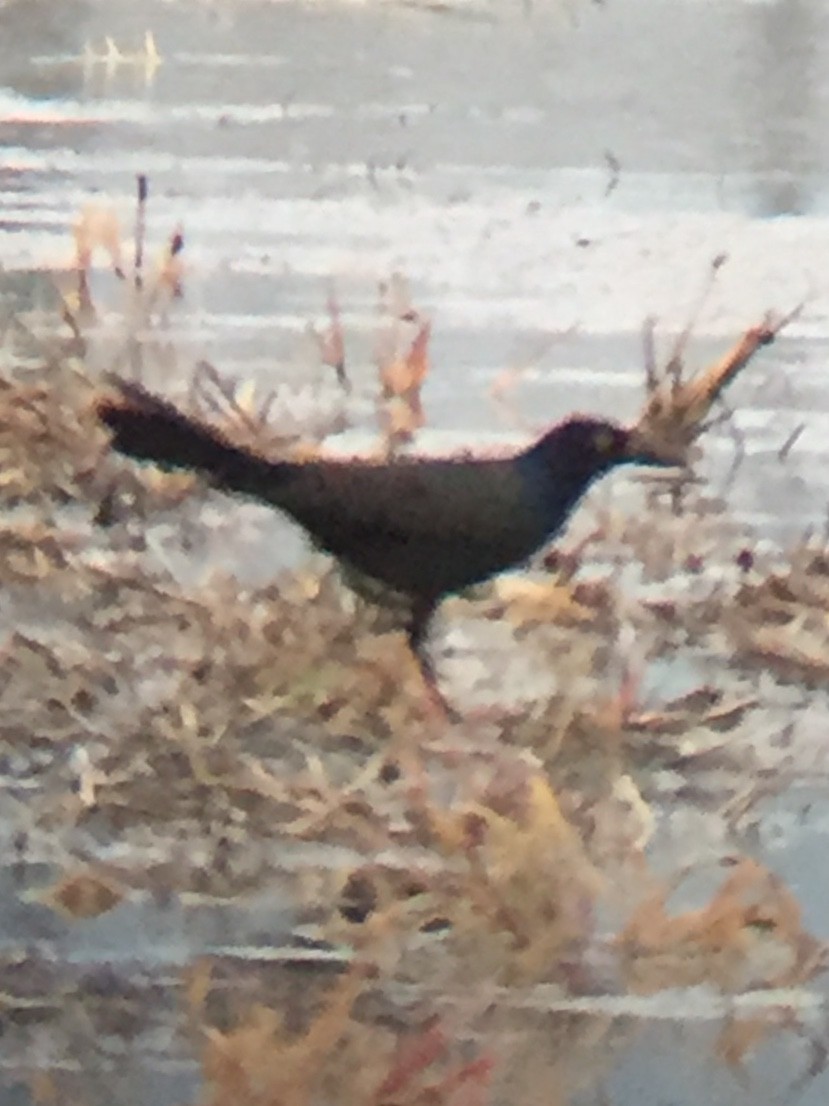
[(647, 448)]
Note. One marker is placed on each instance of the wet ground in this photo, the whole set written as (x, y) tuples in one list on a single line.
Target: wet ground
[(544, 177)]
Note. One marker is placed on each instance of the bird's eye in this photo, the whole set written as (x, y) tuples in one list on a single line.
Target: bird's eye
[(604, 440)]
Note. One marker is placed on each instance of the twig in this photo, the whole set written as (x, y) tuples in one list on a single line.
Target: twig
[(675, 410)]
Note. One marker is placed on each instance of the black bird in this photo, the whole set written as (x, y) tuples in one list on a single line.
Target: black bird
[(423, 528)]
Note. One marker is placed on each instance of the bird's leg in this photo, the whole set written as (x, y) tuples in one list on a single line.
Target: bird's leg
[(417, 634)]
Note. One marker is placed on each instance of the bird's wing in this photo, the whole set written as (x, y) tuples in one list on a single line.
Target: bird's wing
[(473, 499), (342, 503)]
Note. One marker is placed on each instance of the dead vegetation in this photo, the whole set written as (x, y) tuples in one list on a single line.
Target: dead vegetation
[(165, 738)]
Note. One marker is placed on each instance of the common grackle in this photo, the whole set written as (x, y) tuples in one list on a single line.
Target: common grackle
[(421, 527)]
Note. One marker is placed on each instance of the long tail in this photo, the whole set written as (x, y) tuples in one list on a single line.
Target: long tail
[(151, 429)]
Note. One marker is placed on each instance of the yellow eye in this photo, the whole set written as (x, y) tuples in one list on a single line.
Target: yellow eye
[(604, 440)]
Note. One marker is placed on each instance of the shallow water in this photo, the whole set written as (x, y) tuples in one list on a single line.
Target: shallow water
[(545, 176)]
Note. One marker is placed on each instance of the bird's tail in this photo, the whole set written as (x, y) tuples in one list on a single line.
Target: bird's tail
[(148, 428)]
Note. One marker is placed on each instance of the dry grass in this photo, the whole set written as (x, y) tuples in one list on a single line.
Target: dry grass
[(214, 735)]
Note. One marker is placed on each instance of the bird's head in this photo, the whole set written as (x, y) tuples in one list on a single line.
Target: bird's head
[(587, 447)]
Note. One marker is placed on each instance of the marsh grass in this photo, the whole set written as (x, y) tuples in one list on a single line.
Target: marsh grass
[(213, 737)]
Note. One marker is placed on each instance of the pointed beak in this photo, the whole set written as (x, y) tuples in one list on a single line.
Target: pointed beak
[(645, 448)]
